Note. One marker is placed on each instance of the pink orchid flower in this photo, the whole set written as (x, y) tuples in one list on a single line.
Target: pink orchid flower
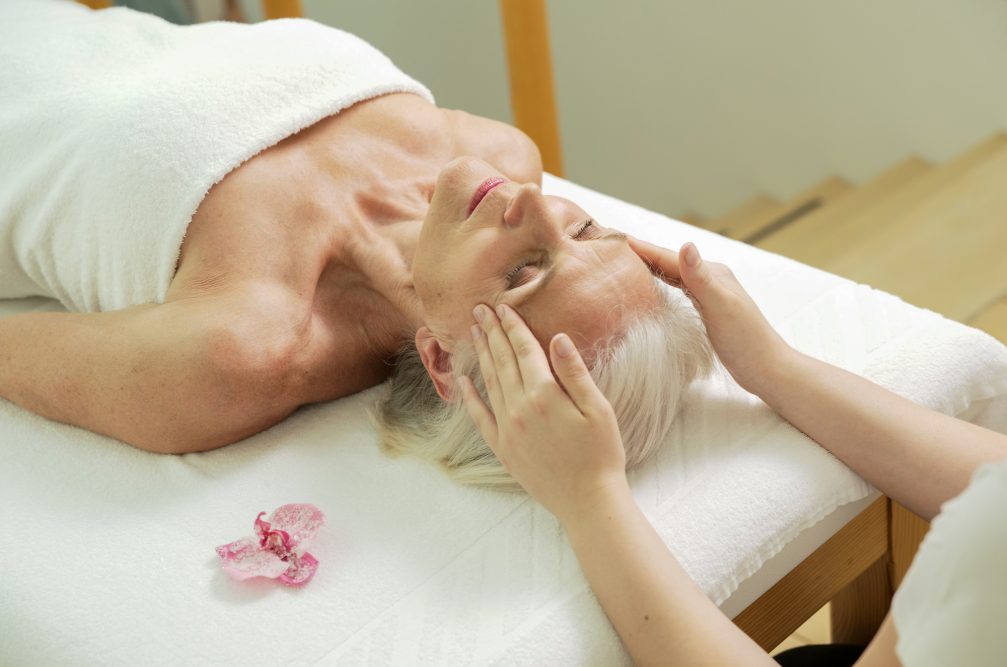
[(278, 549)]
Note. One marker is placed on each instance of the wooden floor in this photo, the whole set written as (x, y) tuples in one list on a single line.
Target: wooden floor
[(934, 235)]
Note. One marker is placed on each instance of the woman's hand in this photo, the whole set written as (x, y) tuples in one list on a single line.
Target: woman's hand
[(563, 447), (565, 450), (747, 345)]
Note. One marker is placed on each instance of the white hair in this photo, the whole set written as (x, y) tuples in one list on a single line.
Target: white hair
[(643, 373)]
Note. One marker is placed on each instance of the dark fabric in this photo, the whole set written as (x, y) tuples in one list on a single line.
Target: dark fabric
[(820, 655), (176, 11)]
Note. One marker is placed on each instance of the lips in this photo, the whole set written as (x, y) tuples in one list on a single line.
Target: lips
[(483, 190)]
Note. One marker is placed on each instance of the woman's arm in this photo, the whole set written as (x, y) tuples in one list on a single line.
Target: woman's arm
[(565, 450), (561, 443), (916, 456), (170, 378), (661, 615)]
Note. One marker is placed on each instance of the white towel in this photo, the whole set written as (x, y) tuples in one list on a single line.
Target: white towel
[(108, 555), (114, 124)]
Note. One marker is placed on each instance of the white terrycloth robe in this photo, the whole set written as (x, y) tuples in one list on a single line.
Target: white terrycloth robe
[(115, 124)]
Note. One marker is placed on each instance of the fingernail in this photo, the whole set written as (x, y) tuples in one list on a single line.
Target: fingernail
[(479, 312), (564, 346), (476, 332), (501, 311), (691, 255)]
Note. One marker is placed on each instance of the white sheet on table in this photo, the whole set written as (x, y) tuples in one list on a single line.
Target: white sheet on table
[(108, 551)]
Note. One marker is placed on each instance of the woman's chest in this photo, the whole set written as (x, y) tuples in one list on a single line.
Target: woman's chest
[(286, 214), (286, 217)]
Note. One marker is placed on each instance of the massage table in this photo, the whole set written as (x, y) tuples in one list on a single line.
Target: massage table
[(109, 550)]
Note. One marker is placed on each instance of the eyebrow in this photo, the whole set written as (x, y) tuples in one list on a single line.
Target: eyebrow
[(551, 271)]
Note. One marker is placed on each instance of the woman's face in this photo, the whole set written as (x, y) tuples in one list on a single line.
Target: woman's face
[(543, 255)]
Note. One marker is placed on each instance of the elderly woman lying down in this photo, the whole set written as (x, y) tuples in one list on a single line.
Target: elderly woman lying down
[(341, 253)]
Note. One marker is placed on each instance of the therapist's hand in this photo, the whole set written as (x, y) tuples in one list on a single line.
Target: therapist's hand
[(563, 447), (746, 343)]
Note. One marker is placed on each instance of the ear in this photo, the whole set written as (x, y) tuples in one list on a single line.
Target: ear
[(437, 361)]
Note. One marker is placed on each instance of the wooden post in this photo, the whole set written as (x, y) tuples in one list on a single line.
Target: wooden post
[(529, 66), (282, 9), (907, 532), (858, 610), (846, 557)]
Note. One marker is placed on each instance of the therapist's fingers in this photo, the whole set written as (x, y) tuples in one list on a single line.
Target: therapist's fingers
[(531, 359), (574, 375), (707, 282), (488, 369), (480, 414), (504, 361), (660, 260)]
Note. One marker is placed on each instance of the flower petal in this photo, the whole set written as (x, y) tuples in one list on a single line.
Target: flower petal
[(261, 527), (301, 569), (243, 559), (300, 521)]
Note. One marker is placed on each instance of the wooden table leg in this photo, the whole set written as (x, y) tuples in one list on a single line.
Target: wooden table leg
[(907, 532), (837, 564), (858, 610)]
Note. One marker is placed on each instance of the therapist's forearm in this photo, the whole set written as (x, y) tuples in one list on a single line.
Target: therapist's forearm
[(661, 615), (914, 455)]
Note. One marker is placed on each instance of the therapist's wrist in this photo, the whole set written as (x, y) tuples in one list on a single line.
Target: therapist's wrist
[(789, 369), (605, 503)]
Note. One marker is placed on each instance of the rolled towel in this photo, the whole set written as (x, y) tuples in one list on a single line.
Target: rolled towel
[(114, 125)]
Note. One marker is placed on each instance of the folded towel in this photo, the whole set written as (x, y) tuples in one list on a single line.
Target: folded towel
[(114, 125), (115, 559)]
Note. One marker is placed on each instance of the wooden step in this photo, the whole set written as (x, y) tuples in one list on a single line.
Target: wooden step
[(756, 228), (993, 320), (939, 243), (799, 240), (755, 208), (845, 233), (694, 219)]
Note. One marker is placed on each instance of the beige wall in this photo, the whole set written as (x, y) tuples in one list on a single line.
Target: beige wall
[(702, 104)]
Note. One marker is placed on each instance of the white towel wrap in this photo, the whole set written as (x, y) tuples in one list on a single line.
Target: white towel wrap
[(114, 125)]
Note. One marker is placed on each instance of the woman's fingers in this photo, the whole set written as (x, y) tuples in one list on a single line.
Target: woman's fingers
[(660, 260), (697, 276), (574, 374), (488, 368), (512, 362), (480, 414), (504, 361), (684, 268), (531, 359)]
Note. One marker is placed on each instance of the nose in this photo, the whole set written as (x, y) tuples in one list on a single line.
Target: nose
[(527, 206)]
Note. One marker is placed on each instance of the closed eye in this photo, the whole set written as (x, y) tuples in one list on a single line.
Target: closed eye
[(522, 272), (586, 230)]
